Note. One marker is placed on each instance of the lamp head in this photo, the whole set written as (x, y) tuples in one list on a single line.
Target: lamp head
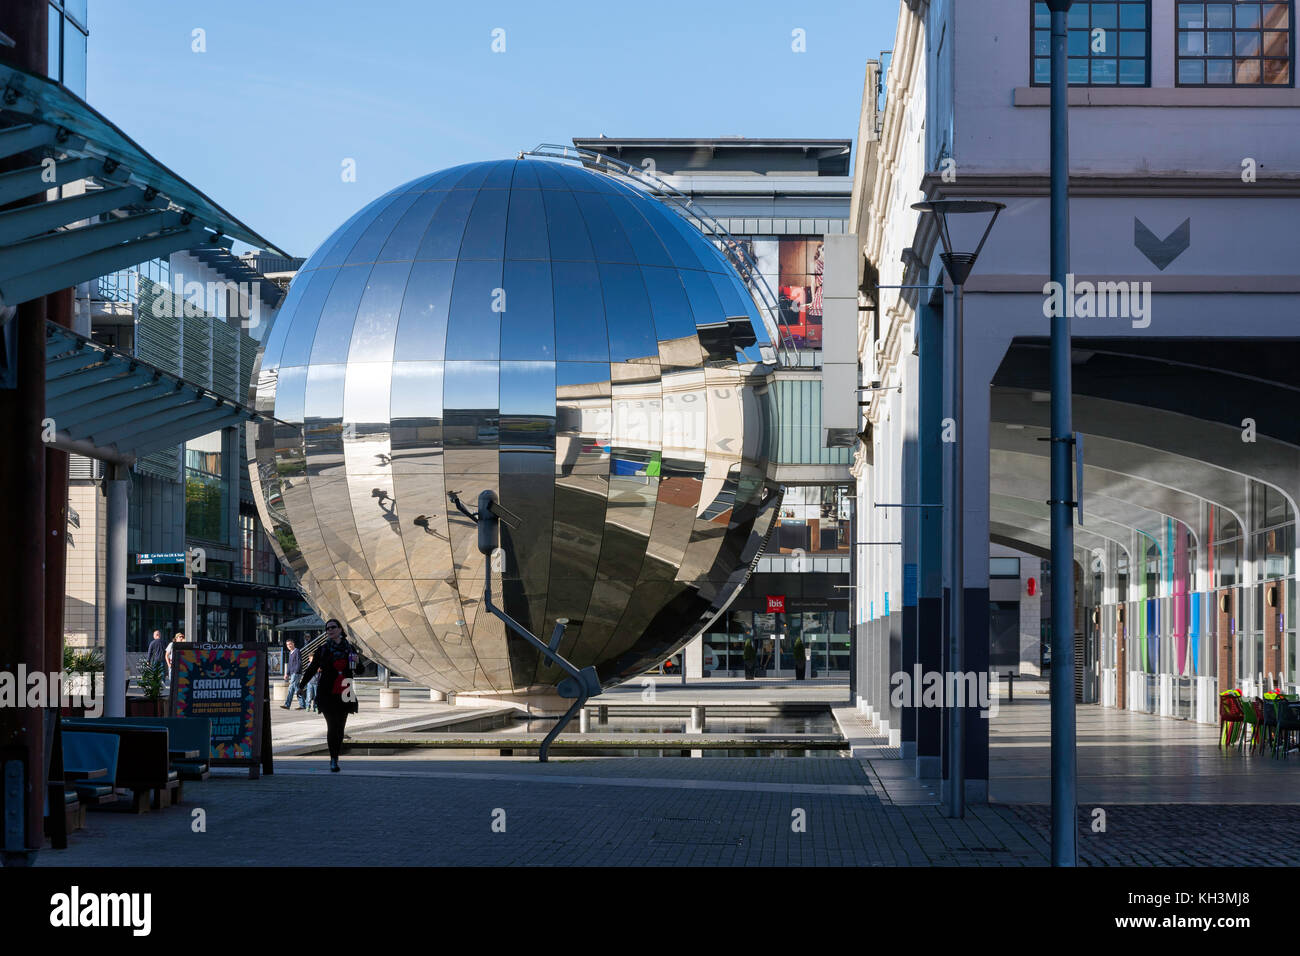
[(959, 264)]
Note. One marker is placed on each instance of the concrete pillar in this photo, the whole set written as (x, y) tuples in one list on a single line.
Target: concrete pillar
[(584, 721), (985, 347), (697, 720), (908, 553), (117, 485), (436, 696), (930, 614), (693, 657), (390, 698), (1135, 683), (1207, 710), (1109, 619), (1245, 650)]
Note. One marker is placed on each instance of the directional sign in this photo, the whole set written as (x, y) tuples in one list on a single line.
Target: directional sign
[(162, 557), (1162, 252)]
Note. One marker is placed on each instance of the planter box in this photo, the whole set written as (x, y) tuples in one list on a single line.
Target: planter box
[(148, 707)]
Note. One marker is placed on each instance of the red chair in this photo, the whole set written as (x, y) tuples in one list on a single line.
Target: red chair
[(1231, 718)]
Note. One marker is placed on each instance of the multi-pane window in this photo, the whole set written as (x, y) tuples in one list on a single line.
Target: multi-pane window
[(66, 55), (1109, 43), (1235, 44), (205, 489)]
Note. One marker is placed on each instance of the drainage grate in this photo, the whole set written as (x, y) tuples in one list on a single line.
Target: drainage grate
[(696, 833)]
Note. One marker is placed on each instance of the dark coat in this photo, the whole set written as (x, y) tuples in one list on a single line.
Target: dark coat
[(335, 664), (157, 651)]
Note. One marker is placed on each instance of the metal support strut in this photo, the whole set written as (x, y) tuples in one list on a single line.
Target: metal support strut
[(582, 683)]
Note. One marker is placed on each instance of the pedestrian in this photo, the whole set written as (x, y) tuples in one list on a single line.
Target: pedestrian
[(293, 676), (170, 654), (157, 649), (335, 663), (310, 687)]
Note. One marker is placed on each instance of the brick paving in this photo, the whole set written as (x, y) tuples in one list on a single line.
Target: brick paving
[(1169, 784), (1181, 834), (641, 812), (625, 811)]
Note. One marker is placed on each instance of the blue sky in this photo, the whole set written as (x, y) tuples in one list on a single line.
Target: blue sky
[(288, 89)]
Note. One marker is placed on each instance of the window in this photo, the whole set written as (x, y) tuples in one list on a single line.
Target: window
[(1235, 44), (1004, 567), (1109, 43), (205, 490), (814, 519), (66, 54)]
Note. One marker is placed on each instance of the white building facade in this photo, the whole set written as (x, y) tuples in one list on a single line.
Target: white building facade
[(1185, 173)]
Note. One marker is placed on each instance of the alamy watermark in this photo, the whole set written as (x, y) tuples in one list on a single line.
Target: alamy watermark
[(1099, 300), (75, 909), (38, 689), (944, 689), (237, 300)]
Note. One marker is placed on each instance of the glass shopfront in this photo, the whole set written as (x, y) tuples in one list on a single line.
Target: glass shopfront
[(825, 632)]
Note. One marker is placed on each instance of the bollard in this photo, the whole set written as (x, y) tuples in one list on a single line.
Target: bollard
[(584, 721), (1011, 687), (389, 698), (602, 714), (697, 719)]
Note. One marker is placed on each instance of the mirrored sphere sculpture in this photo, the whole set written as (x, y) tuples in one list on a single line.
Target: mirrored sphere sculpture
[(551, 333)]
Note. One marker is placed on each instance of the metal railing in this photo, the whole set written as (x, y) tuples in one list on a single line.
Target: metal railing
[(685, 206)]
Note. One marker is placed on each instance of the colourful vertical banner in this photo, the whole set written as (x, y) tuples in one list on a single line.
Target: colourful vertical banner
[(1194, 633), (1181, 588)]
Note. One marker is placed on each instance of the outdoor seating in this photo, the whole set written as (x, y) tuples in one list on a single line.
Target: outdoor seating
[(73, 810), (1231, 718), (1270, 722), (1249, 721), (1260, 734), (1288, 726), (189, 741), (83, 755), (144, 764)]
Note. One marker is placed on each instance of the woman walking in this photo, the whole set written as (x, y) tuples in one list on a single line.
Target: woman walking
[(335, 696)]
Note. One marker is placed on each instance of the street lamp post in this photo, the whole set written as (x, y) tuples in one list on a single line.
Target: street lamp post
[(958, 265), (1062, 441)]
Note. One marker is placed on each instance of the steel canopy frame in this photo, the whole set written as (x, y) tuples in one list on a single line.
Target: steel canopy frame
[(108, 405), (148, 211), (82, 131)]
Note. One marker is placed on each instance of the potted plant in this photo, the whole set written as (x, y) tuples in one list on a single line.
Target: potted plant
[(748, 654), (151, 681), (85, 677), (800, 660)]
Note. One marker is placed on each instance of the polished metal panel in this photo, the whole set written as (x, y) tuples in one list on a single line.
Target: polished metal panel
[(552, 334)]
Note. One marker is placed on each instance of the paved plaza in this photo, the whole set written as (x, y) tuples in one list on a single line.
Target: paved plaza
[(1170, 796)]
